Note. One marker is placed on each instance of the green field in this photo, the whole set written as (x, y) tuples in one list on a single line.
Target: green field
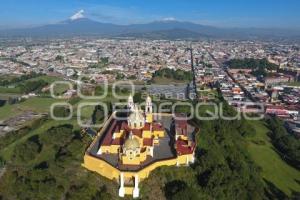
[(37, 104), (16, 89), (58, 88), (43, 104), (274, 169), (13, 90)]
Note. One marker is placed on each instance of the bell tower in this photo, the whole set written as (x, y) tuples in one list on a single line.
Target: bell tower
[(148, 110), (130, 103)]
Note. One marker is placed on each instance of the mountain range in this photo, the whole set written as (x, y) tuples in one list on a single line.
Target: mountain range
[(164, 29)]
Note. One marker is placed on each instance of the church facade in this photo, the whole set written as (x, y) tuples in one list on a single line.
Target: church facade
[(128, 149)]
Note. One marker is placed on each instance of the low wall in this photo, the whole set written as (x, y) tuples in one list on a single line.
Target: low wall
[(105, 169)]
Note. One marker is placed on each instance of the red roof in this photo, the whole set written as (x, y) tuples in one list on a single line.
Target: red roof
[(124, 126), (147, 127), (277, 111), (274, 107), (108, 135), (116, 126), (148, 142), (157, 127), (137, 132), (182, 147), (118, 141)]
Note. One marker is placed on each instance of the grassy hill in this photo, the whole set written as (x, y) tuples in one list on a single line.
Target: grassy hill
[(274, 169)]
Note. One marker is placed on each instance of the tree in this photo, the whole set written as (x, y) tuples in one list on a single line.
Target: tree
[(15, 80), (174, 74), (223, 167), (28, 150), (189, 194), (81, 192), (120, 76), (260, 67), (98, 114), (173, 187), (246, 129), (284, 142), (58, 136), (138, 97), (2, 162), (59, 58), (55, 171), (31, 86)]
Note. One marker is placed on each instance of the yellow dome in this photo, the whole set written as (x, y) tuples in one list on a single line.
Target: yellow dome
[(132, 143)]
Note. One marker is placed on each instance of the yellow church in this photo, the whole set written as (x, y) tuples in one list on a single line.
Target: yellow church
[(128, 148)]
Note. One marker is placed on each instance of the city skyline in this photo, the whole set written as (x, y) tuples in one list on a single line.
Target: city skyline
[(233, 13)]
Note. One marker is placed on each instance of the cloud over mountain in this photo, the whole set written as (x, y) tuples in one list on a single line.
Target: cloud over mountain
[(169, 19), (78, 15)]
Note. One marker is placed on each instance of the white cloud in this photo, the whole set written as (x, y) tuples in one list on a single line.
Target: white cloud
[(78, 15), (169, 19)]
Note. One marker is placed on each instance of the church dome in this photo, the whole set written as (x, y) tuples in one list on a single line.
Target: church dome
[(132, 143), (136, 119), (131, 147)]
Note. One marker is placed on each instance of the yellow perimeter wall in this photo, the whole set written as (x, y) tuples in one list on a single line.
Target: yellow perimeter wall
[(110, 172)]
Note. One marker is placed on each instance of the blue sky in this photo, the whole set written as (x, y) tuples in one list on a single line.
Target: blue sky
[(222, 13)]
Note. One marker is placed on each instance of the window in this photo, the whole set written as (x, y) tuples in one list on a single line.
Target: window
[(130, 155)]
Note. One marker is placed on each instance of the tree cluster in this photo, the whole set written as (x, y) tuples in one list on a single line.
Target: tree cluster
[(260, 67), (174, 74), (288, 145), (98, 114), (15, 80), (102, 63), (48, 166), (223, 168), (32, 86)]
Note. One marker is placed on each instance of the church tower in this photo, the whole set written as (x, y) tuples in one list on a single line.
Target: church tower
[(148, 110), (130, 103)]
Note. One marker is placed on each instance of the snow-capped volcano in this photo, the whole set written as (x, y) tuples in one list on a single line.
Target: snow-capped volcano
[(78, 15), (79, 25)]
